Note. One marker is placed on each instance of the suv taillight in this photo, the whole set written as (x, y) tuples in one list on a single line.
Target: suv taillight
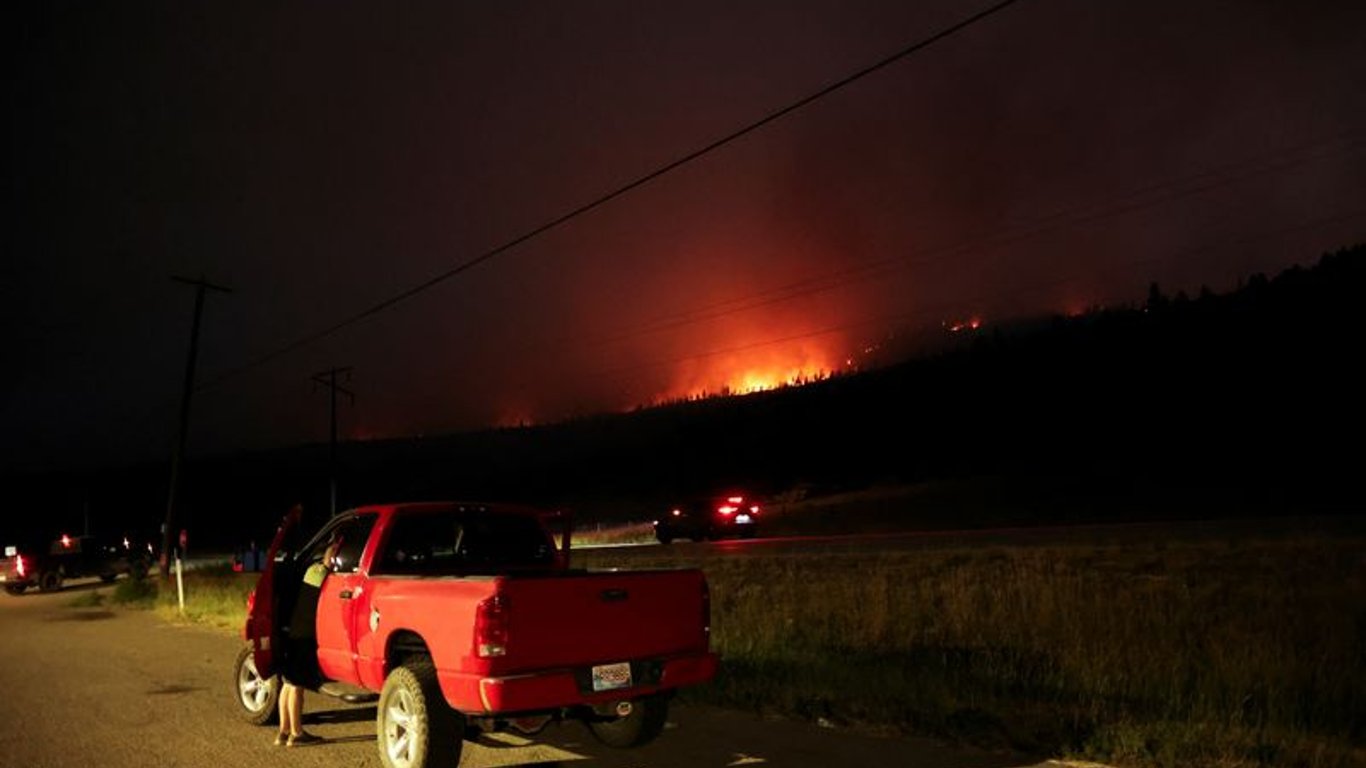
[(19, 564), (491, 627)]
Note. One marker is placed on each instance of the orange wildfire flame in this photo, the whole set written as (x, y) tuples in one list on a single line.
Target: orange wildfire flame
[(970, 324), (755, 371)]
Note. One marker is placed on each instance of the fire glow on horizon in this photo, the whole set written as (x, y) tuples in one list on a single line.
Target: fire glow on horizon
[(958, 326), (747, 367), (728, 375), (754, 371)]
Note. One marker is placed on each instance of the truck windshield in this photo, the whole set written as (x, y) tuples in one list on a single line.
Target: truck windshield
[(462, 541)]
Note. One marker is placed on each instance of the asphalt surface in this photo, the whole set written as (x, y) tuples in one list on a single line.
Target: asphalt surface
[(865, 544), (121, 688)]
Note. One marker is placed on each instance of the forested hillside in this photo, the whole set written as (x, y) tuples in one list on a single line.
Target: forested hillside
[(1244, 402)]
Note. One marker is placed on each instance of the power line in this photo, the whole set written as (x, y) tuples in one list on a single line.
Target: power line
[(1133, 200), (608, 197), (932, 308), (1140, 197)]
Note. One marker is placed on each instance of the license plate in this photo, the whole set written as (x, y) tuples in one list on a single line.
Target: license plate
[(609, 677), (742, 519), (11, 551)]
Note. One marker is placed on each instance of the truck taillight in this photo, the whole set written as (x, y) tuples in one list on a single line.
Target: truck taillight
[(491, 627), (706, 614), (251, 601), (19, 564)]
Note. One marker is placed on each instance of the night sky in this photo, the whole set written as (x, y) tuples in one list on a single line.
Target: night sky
[(322, 158)]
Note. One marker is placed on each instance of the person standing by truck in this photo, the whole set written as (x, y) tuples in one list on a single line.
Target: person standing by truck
[(457, 617), (301, 662)]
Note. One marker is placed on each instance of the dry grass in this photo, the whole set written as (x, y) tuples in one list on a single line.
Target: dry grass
[(1205, 653), (215, 597), (605, 535), (1212, 652)]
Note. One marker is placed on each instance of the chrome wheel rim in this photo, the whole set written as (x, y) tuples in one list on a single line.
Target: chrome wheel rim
[(252, 689), (401, 728)]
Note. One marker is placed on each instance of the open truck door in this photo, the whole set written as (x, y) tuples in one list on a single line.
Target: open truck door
[(263, 621)]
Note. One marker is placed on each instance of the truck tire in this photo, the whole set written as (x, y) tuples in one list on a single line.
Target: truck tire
[(16, 589), (50, 581), (108, 577), (257, 697), (416, 728), (639, 728)]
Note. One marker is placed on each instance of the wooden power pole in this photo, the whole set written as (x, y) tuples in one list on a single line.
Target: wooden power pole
[(330, 381), (183, 427)]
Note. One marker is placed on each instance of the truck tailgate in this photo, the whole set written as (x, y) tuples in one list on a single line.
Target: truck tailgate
[(589, 618)]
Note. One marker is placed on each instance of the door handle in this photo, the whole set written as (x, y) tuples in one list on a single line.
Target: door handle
[(345, 594)]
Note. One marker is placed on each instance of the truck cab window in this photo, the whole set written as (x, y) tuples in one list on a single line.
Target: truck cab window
[(355, 531), (354, 536), (464, 541)]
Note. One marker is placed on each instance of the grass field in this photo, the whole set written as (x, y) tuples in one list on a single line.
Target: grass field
[(1242, 650)]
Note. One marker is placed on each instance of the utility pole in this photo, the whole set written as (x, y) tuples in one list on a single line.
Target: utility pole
[(183, 428), (331, 383)]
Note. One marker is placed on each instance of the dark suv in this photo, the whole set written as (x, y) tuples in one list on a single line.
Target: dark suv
[(68, 557), (713, 517)]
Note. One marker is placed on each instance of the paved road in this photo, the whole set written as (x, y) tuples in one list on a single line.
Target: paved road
[(122, 689), (867, 544)]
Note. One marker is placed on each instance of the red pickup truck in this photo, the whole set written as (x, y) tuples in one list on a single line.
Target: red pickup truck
[(467, 617)]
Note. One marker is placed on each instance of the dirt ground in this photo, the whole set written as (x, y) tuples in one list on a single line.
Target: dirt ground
[(122, 689)]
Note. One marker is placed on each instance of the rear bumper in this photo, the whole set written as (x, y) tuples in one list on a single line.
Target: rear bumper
[(12, 579), (557, 689)]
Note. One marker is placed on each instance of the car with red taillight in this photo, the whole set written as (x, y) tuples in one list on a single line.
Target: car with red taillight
[(48, 564), (462, 617), (18, 568), (730, 514)]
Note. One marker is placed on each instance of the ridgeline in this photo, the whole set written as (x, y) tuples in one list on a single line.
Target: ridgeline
[(1243, 403)]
